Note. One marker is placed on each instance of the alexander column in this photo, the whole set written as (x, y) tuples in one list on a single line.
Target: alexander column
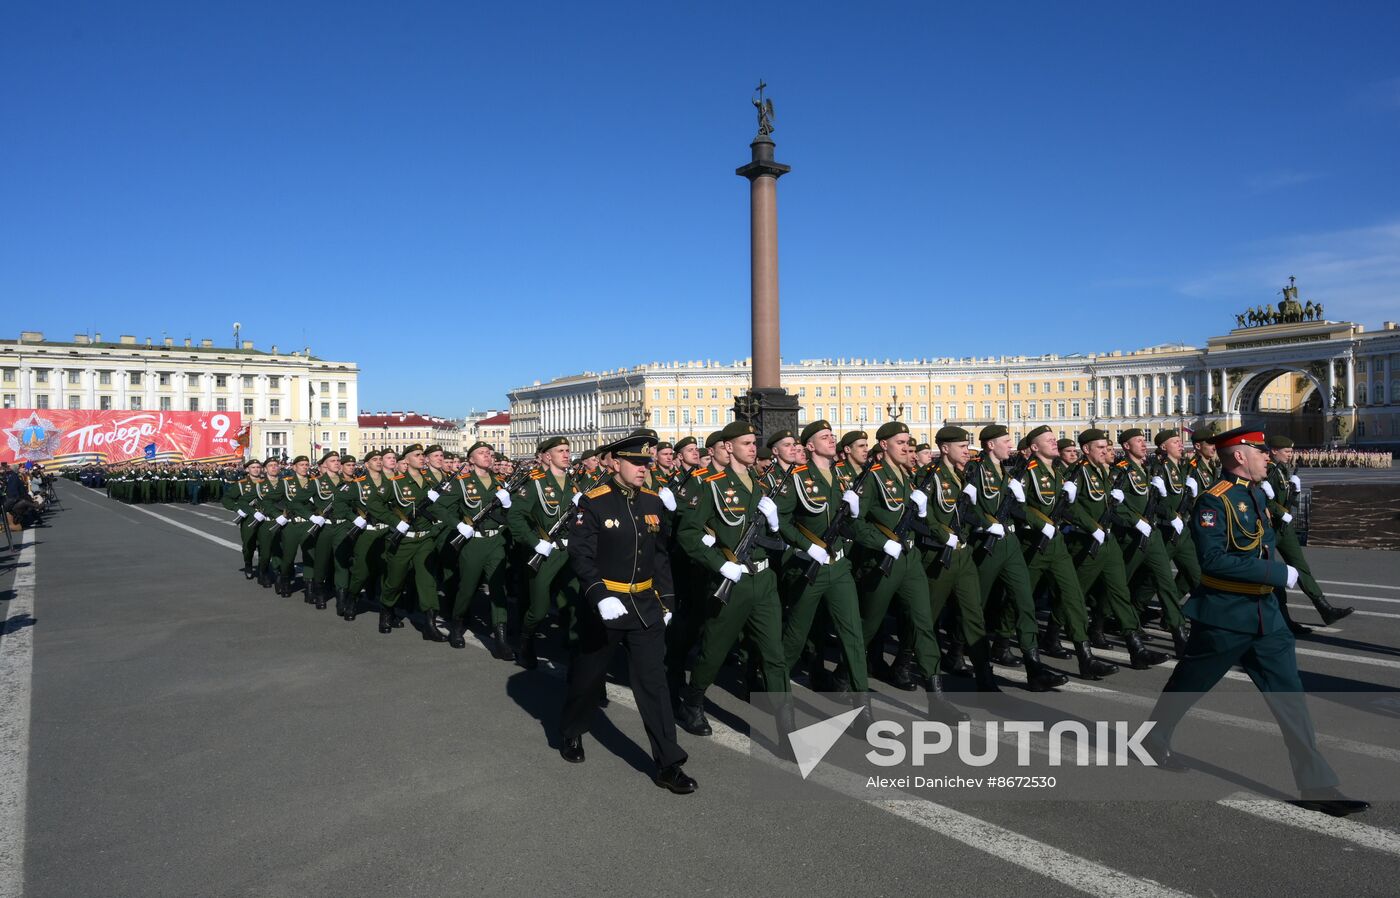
[(767, 405)]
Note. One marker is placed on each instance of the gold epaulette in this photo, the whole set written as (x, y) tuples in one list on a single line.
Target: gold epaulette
[(1220, 488), (699, 472), (1034, 463), (798, 468), (650, 492), (536, 474), (1123, 463), (360, 479), (398, 477), (877, 466), (714, 477), (598, 491)]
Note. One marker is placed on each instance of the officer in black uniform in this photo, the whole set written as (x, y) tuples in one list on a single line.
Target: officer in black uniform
[(618, 547)]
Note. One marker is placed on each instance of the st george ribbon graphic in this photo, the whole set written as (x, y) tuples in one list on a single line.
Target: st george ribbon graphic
[(66, 436)]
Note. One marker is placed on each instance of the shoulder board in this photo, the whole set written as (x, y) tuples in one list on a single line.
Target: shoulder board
[(1220, 488), (877, 466), (246, 480), (1123, 463), (398, 477), (599, 491), (797, 468), (1034, 463), (714, 477), (464, 476), (650, 492), (1193, 462), (537, 475), (360, 479), (699, 472)]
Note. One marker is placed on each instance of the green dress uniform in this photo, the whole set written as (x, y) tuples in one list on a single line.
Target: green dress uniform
[(806, 508), (296, 499), (334, 554), (1101, 571), (367, 561), (412, 557), (1048, 559), (1176, 506), (534, 509), (241, 496), (1236, 622), (958, 579), (726, 501), (481, 560), (268, 503), (1282, 504), (690, 582), (1145, 559)]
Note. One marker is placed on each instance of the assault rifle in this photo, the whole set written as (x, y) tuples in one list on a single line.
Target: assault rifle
[(1105, 521), (843, 514), (906, 520), (752, 535), (509, 486), (421, 506), (556, 532), (1057, 515), (1014, 467)]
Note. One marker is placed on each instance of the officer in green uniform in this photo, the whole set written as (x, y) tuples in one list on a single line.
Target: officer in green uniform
[(335, 509), (537, 506), (267, 506), (691, 580), (1145, 557), (1171, 467), (373, 518), (882, 501), (407, 495), (1047, 555), (806, 509), (481, 560), (1069, 456), (1098, 557), (1237, 622), (1205, 467), (725, 504), (240, 496), (1283, 488), (296, 498), (993, 489)]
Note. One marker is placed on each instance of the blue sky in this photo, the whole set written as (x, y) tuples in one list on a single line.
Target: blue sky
[(465, 198)]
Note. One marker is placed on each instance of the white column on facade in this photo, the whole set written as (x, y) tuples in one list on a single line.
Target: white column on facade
[(148, 384), (1351, 380), (1331, 383), (206, 402), (260, 408), (58, 383), (1171, 393), (26, 389), (1112, 396), (1384, 397), (235, 402), (1210, 389), (89, 388), (181, 404)]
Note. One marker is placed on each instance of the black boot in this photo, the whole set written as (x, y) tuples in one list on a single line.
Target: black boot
[(785, 717), (431, 633), (1294, 627), (322, 590), (1001, 653), (955, 661), (501, 649), (572, 749), (1140, 655), (386, 620), (1179, 636), (1097, 639), (525, 654), (861, 700), (1091, 668), (264, 576), (982, 667), (1330, 614), (347, 603), (875, 665), (248, 572), (284, 586), (904, 674), (1050, 645), (690, 712), (939, 708), (1040, 678), (457, 634), (311, 592)]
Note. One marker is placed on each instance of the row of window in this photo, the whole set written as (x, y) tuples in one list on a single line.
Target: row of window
[(163, 378), (864, 390), (165, 404)]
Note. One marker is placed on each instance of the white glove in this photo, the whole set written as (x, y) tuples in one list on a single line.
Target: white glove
[(731, 571), (668, 498), (708, 539), (281, 520), (1191, 485), (259, 516), (1292, 576), (1161, 486), (242, 514), (1177, 525), (466, 530), (318, 520), (666, 619), (997, 530), (434, 495), (1049, 531), (852, 501), (611, 608), (1117, 496), (1287, 518), (360, 522), (1267, 487), (1016, 490), (818, 554), (503, 497), (953, 541), (970, 491), (1070, 489), (920, 498), (1142, 527), (401, 526), (1297, 484), (770, 511), (893, 549), (578, 497), (1098, 536), (544, 547)]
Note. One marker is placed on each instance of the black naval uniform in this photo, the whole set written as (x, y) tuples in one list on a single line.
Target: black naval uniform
[(618, 547)]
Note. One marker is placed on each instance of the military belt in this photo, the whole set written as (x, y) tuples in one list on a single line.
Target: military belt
[(628, 588), (835, 556), (1236, 586), (495, 532), (758, 567)]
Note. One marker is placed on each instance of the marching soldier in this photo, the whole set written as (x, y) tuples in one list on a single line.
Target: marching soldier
[(1205, 468), (619, 549), (335, 510), (1145, 557), (373, 518), (1283, 487), (241, 496), (1175, 472), (1236, 621), (295, 498), (408, 496), (1069, 456), (266, 507), (535, 509), (481, 560), (691, 580), (782, 445)]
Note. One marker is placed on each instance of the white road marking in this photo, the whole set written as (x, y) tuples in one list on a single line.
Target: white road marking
[(1350, 583), (194, 511), (174, 523), (1340, 828), (1125, 658), (1354, 659), (16, 673), (1343, 595), (1357, 613)]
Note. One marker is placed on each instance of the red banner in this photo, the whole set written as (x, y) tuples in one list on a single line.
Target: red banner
[(66, 437)]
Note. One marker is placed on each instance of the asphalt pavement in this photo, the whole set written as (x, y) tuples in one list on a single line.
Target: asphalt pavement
[(188, 733)]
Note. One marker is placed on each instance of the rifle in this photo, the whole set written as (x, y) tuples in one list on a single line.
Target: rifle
[(1105, 520), (509, 486), (1154, 500), (906, 521), (843, 514), (1014, 468), (422, 505), (1057, 514), (556, 531), (752, 536)]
